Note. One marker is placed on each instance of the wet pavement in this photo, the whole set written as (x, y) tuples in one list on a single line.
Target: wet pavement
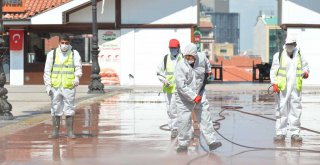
[(125, 129)]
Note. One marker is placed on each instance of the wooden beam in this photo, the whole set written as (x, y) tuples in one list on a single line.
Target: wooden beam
[(285, 26), (118, 14), (157, 25), (66, 28)]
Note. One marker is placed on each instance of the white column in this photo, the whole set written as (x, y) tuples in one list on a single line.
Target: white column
[(16, 61), (16, 68)]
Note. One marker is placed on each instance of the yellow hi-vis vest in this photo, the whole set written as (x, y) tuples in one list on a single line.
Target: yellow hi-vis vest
[(62, 73), (169, 73), (282, 73)]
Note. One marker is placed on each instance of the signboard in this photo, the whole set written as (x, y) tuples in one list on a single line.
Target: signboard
[(12, 2), (109, 56), (16, 40), (13, 5)]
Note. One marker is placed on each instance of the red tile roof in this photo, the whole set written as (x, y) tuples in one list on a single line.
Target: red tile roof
[(34, 7)]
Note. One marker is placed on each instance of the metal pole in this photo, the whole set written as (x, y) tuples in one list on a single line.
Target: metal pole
[(95, 85), (5, 106)]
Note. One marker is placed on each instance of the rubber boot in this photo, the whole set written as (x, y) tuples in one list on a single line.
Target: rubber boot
[(55, 127), (182, 149), (214, 145), (69, 125), (174, 133), (296, 139)]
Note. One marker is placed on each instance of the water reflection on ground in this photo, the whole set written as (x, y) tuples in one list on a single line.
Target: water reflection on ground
[(124, 129)]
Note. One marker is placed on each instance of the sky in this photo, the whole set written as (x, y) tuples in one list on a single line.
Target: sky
[(249, 11)]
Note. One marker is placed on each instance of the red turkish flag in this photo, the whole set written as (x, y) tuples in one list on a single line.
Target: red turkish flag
[(16, 39)]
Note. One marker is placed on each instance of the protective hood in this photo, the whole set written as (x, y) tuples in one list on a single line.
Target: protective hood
[(293, 49), (191, 49)]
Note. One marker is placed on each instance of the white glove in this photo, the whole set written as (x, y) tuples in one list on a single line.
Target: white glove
[(76, 82), (48, 90)]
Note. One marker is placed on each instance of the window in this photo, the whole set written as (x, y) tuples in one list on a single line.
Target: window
[(40, 44), (205, 46), (223, 51)]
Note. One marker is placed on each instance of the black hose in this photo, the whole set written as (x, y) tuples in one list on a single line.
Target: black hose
[(271, 90), (217, 124), (164, 129)]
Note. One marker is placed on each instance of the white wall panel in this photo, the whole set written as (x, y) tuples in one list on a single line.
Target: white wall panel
[(16, 68), (84, 15), (300, 12), (150, 47), (308, 42), (127, 56), (55, 16), (159, 12), (142, 51)]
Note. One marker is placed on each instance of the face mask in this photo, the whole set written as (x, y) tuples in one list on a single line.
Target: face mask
[(174, 51), (190, 61), (289, 48), (64, 47)]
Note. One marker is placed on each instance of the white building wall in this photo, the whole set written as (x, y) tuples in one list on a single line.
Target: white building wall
[(300, 12), (159, 12), (16, 67), (55, 16), (127, 57), (308, 42), (82, 15), (260, 41), (142, 50)]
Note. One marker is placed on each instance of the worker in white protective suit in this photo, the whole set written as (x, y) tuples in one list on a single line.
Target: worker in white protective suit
[(165, 74), (288, 69), (190, 75), (62, 73)]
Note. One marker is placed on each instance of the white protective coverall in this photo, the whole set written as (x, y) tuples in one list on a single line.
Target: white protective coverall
[(62, 99), (288, 102), (169, 98), (189, 81)]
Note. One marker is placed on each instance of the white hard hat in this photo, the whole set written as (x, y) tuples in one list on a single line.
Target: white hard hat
[(190, 49), (290, 40)]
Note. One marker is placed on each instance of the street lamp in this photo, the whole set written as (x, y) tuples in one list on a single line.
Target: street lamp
[(5, 106), (95, 85)]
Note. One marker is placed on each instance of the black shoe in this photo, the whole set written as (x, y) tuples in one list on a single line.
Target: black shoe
[(181, 149), (174, 133), (296, 138), (279, 138), (214, 145)]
